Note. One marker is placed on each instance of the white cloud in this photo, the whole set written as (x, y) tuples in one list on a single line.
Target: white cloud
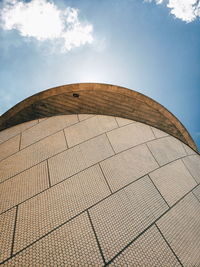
[(43, 20), (186, 10)]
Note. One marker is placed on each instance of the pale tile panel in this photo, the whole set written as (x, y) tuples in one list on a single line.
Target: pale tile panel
[(10, 132), (166, 149), (23, 186), (123, 122), (189, 150), (128, 166), (193, 165), (7, 221), (129, 136), (196, 191), (158, 133), (79, 158), (32, 155), (40, 214), (149, 250), (46, 128), (9, 147), (124, 215), (89, 128), (40, 120), (73, 244), (85, 116), (181, 228), (173, 181)]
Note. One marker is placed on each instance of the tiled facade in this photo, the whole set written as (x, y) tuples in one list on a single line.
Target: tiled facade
[(96, 190)]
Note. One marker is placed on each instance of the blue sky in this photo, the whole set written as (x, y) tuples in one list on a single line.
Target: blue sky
[(150, 46)]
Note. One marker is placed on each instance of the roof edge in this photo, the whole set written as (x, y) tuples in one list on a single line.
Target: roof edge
[(97, 98)]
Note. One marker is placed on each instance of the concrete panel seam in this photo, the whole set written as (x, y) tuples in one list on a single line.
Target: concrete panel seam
[(169, 245), (48, 173), (96, 237), (117, 122), (105, 178), (158, 190), (131, 242), (153, 132), (195, 195), (81, 171), (110, 143), (188, 168), (65, 138), (20, 140), (88, 210), (153, 155), (82, 141), (14, 230)]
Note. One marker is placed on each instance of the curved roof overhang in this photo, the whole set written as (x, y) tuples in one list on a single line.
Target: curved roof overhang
[(97, 98)]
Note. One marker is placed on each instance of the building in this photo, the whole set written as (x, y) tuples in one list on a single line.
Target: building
[(94, 175)]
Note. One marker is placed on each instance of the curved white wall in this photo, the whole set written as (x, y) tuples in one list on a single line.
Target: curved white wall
[(79, 190)]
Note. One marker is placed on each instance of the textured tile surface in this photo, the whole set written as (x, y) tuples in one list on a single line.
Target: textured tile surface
[(181, 228), (7, 220), (79, 158), (23, 186), (89, 128), (46, 128), (121, 217), (166, 149), (51, 208), (85, 116), (129, 136), (173, 181), (10, 132), (73, 244), (52, 224), (9, 147), (128, 166), (42, 119), (149, 250), (196, 191), (193, 165), (122, 121), (158, 133), (32, 155), (188, 150)]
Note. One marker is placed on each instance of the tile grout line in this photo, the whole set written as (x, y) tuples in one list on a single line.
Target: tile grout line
[(162, 137), (95, 234), (48, 173), (158, 190), (153, 155), (110, 142), (65, 139), (14, 231), (196, 152), (189, 170), (68, 127), (19, 131), (117, 122), (168, 244), (42, 137), (130, 243), (78, 173), (153, 132), (20, 141), (58, 226), (184, 148), (195, 196), (105, 178)]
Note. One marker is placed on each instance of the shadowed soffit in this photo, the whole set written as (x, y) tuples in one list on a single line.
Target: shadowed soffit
[(96, 98)]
